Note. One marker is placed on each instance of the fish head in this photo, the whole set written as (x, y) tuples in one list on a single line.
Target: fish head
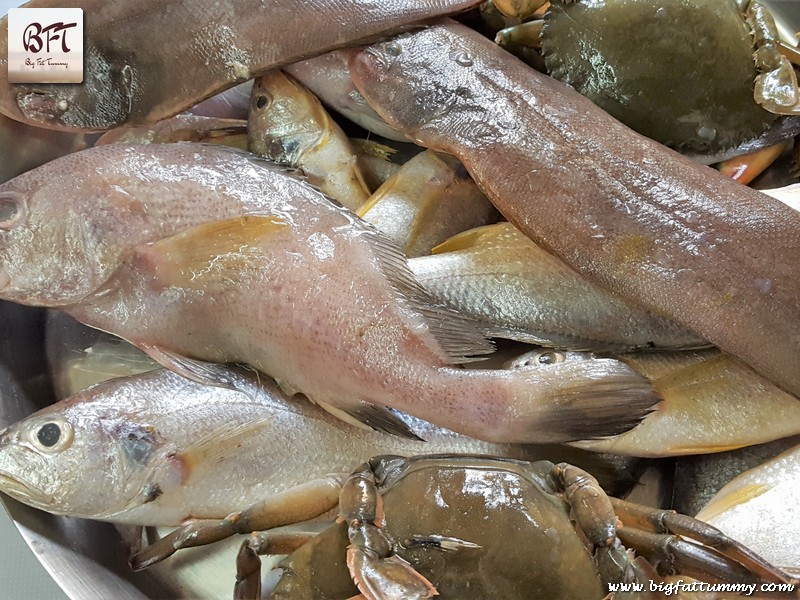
[(425, 81), (102, 101), (60, 236), (79, 460), (285, 119)]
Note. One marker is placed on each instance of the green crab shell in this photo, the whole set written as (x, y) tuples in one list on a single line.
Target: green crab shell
[(680, 72), (528, 545)]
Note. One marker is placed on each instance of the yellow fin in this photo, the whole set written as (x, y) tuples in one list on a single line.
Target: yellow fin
[(208, 252), (720, 504), (475, 237)]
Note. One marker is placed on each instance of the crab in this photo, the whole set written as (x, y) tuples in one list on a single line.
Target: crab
[(658, 66), (482, 527)]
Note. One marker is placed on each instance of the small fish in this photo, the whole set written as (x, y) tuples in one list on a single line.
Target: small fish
[(149, 60), (759, 509), (711, 402), (328, 76), (681, 240), (430, 198), (501, 277), (192, 251), (182, 128), (157, 449), (288, 125)]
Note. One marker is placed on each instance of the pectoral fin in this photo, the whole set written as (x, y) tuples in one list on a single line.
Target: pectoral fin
[(369, 416), (209, 254)]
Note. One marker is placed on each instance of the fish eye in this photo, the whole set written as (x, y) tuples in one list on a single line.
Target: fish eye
[(50, 434), (261, 100), (12, 209), (549, 357)]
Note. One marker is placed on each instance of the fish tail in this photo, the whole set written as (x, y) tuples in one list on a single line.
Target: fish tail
[(588, 400)]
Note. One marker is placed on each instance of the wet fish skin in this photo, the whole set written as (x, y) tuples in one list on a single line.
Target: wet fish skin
[(711, 402), (182, 128), (627, 213), (153, 245), (430, 198), (287, 124), (759, 502), (328, 76), (211, 47), (502, 278), (156, 449)]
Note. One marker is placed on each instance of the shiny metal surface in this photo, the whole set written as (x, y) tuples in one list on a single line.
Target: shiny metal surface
[(88, 559)]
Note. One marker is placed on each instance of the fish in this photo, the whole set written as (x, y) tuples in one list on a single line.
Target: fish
[(500, 277), (328, 77), (430, 198), (157, 449), (678, 238), (757, 504), (197, 252), (711, 402), (288, 125), (182, 128), (151, 60)]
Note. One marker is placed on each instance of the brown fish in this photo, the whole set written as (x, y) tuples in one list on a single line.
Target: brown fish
[(147, 61), (678, 238)]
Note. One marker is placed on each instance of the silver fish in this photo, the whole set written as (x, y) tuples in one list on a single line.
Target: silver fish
[(502, 278), (157, 449)]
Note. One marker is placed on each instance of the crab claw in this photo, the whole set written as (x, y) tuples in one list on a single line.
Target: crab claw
[(389, 578)]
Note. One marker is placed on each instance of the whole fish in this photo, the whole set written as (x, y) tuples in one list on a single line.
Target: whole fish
[(288, 124), (157, 449), (152, 243), (430, 198), (147, 61), (757, 504), (502, 278), (678, 238), (328, 76)]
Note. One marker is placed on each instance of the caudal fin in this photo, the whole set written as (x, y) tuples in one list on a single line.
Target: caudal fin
[(579, 400)]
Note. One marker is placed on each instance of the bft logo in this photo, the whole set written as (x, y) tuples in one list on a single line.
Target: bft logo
[(45, 45)]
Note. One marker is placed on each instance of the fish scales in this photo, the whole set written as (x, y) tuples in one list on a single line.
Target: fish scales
[(146, 61), (676, 237), (202, 252)]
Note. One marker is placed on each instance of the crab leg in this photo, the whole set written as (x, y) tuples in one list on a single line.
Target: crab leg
[(721, 550), (248, 561), (377, 575), (296, 504)]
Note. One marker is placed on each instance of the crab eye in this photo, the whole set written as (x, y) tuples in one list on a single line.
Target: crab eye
[(51, 435), (11, 209), (550, 358), (261, 100)]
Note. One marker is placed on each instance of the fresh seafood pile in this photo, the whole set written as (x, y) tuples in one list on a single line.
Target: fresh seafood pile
[(465, 255)]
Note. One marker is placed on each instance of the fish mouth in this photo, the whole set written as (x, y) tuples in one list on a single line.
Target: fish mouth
[(23, 492)]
